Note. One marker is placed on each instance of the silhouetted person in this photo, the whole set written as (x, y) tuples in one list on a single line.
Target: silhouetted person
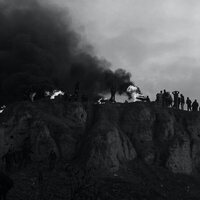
[(195, 105), (164, 98), (113, 92), (182, 102), (189, 104), (175, 93), (148, 99), (179, 102), (6, 183), (169, 99), (159, 98)]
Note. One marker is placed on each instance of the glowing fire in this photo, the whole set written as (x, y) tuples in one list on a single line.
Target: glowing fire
[(56, 93), (2, 108), (133, 92), (103, 100)]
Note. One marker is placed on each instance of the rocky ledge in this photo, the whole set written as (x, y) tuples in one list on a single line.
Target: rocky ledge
[(104, 136)]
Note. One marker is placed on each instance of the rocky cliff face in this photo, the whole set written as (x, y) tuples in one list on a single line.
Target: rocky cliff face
[(105, 136)]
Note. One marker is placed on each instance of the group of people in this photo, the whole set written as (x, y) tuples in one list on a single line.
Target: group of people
[(178, 101)]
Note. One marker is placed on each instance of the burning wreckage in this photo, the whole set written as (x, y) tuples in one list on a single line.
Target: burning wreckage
[(133, 92)]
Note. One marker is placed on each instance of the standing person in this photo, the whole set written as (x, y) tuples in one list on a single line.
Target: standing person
[(164, 98), (169, 100), (179, 102), (189, 104), (148, 99), (113, 90), (195, 105), (159, 98), (175, 93), (182, 102)]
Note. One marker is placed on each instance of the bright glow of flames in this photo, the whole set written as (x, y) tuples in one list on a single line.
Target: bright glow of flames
[(102, 100), (2, 108), (56, 93), (133, 91)]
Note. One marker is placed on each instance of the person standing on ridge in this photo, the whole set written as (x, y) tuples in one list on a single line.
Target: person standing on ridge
[(164, 98), (159, 98), (189, 104), (195, 105), (175, 93), (179, 102), (182, 99)]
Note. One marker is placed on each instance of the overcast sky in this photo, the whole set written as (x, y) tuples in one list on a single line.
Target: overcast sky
[(158, 41)]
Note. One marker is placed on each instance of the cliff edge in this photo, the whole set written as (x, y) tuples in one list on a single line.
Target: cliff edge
[(104, 136)]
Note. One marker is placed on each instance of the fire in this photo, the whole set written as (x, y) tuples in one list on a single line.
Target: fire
[(132, 89), (133, 92), (56, 93), (102, 100)]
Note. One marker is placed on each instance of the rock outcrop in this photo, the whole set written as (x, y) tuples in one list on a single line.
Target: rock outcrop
[(104, 136), (110, 147), (159, 136), (41, 128)]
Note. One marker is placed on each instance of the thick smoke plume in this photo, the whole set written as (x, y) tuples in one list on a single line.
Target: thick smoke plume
[(40, 51)]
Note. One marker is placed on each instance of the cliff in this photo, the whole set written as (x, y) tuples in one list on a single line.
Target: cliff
[(159, 136), (109, 137)]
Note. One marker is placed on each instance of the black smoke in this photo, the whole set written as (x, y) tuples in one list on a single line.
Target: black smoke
[(40, 51)]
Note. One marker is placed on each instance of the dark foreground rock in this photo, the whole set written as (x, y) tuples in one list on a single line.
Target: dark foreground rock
[(135, 150)]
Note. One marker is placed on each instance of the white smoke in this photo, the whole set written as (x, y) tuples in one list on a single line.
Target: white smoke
[(133, 92)]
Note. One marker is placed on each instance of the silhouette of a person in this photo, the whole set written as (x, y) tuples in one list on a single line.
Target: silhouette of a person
[(159, 98), (189, 104), (164, 98), (182, 99), (175, 93), (148, 99), (195, 105)]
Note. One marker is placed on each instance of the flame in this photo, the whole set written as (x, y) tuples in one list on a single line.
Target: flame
[(56, 93), (102, 100), (133, 91), (2, 108)]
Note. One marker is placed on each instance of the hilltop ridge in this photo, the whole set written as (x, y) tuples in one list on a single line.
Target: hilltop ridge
[(112, 138)]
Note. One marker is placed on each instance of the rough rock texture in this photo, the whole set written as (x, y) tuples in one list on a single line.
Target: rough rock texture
[(45, 126), (159, 136), (105, 136), (110, 147)]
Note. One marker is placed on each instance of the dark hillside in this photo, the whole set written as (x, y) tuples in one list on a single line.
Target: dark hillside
[(109, 151)]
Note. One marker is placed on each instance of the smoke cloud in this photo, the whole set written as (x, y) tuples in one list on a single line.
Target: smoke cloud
[(40, 51)]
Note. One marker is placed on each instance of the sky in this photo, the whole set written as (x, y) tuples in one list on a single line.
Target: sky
[(158, 41)]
